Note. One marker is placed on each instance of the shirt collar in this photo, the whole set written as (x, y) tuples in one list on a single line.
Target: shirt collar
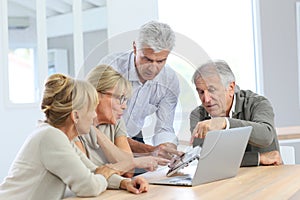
[(132, 73), (232, 107)]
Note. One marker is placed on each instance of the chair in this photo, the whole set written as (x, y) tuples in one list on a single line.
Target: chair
[(288, 155)]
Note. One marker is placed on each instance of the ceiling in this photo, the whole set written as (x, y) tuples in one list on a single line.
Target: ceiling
[(26, 8)]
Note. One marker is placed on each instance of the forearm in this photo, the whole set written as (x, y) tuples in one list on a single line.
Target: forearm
[(262, 134), (164, 130), (138, 147), (165, 137), (262, 121), (125, 167), (111, 151)]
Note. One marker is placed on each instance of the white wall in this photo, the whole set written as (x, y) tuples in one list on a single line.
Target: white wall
[(16, 122), (91, 41), (280, 67), (129, 15)]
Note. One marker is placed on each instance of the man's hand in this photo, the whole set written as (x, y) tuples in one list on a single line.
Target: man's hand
[(203, 127), (270, 158), (137, 185), (166, 150)]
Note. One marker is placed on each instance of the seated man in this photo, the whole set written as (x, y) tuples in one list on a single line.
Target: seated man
[(225, 106)]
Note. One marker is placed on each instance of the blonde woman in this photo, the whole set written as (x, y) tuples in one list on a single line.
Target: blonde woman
[(109, 144), (47, 162)]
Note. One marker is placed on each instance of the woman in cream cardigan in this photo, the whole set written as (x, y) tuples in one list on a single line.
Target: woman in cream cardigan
[(47, 162)]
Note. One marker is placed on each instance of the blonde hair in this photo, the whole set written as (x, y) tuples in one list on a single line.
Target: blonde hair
[(104, 77), (63, 94)]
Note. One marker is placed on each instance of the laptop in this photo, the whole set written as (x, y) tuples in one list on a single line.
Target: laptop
[(220, 158)]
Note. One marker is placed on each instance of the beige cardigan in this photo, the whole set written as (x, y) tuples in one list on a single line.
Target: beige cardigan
[(45, 164)]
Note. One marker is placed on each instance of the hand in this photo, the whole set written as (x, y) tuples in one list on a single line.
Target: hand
[(166, 150), (136, 186), (106, 171), (203, 127), (150, 163), (270, 158)]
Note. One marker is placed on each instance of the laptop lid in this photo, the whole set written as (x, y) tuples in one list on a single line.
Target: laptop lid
[(220, 158), (221, 154)]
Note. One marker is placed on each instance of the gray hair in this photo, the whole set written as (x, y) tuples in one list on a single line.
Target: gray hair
[(158, 36), (219, 67)]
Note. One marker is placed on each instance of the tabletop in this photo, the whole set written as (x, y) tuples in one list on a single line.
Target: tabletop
[(263, 182)]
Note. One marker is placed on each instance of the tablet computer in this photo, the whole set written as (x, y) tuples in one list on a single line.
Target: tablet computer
[(184, 160)]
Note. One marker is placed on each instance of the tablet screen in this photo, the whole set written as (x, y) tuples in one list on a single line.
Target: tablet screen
[(184, 160)]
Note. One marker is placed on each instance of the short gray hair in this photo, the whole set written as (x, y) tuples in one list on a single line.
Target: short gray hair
[(158, 36), (219, 67)]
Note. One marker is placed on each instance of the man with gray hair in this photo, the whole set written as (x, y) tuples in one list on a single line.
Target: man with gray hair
[(225, 106), (155, 88)]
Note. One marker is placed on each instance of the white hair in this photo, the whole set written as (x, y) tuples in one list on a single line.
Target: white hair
[(158, 36)]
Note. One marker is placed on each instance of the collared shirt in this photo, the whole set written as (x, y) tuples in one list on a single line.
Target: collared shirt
[(233, 106), (158, 96), (232, 109)]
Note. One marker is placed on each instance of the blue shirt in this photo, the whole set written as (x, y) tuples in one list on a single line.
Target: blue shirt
[(158, 96)]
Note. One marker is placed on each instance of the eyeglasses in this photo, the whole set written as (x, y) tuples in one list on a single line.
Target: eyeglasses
[(121, 98)]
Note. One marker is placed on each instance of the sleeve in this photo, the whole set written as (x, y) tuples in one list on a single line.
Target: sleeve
[(261, 118), (250, 159), (59, 157), (164, 131), (121, 128), (195, 117), (117, 61), (114, 181)]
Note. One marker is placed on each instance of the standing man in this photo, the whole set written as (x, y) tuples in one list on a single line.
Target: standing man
[(155, 88), (230, 107)]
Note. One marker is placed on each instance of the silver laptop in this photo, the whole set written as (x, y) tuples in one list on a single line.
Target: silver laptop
[(220, 158)]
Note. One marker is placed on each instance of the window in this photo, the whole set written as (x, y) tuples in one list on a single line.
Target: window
[(22, 71), (224, 30), (21, 75)]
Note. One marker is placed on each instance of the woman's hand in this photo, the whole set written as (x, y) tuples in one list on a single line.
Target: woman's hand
[(137, 185), (150, 163), (106, 171)]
